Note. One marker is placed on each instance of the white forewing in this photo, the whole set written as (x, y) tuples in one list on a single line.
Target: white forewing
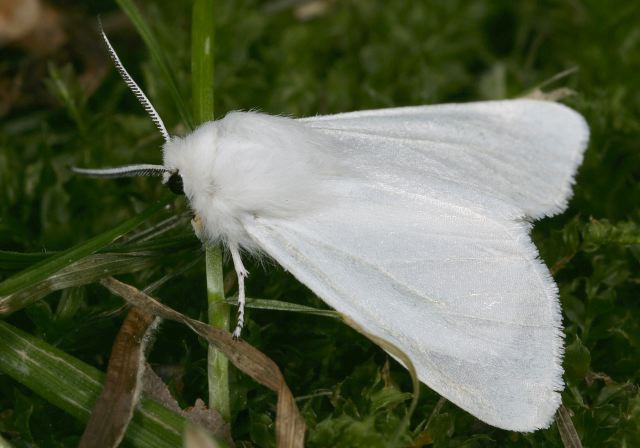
[(522, 152), (424, 245)]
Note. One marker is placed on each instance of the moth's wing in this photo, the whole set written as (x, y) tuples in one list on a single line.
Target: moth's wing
[(521, 152), (462, 294), (423, 245)]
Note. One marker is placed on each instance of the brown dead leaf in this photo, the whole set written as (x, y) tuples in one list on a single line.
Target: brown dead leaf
[(195, 437), (568, 432), (114, 408), (553, 95), (198, 414), (290, 426)]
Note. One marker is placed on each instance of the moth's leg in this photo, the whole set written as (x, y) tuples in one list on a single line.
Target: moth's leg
[(198, 226), (242, 273)]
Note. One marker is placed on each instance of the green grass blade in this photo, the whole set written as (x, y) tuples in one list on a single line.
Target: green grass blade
[(44, 269), (14, 261), (73, 386), (279, 305), (90, 269), (202, 58), (159, 57), (218, 316), (4, 443), (123, 260)]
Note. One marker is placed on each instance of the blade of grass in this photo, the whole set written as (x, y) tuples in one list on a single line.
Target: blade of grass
[(159, 229), (88, 270), (218, 316), (568, 433), (74, 386), (202, 57), (279, 305), (70, 302), (4, 443), (14, 261), (46, 268), (158, 56)]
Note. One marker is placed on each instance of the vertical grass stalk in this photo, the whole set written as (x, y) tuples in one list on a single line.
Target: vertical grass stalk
[(202, 45)]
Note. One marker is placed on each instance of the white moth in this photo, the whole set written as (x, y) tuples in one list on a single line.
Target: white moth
[(413, 222)]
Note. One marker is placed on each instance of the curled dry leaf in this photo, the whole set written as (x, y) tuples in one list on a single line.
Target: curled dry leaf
[(553, 95), (114, 408), (195, 437), (290, 426), (568, 432), (199, 413)]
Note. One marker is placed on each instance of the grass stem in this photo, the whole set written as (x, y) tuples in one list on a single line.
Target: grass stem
[(202, 57)]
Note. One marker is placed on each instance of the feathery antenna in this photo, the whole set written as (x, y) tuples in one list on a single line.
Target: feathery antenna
[(123, 171), (137, 91)]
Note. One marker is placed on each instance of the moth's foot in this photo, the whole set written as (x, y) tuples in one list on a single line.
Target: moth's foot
[(236, 332)]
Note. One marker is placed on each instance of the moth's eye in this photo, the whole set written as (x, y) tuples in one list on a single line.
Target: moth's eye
[(175, 184)]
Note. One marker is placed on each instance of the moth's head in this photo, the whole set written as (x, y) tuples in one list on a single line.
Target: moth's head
[(189, 160), (173, 180)]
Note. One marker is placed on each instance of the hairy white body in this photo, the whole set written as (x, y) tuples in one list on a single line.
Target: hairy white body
[(251, 165), (413, 222)]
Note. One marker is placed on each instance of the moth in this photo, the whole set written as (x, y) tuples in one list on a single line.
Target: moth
[(413, 222)]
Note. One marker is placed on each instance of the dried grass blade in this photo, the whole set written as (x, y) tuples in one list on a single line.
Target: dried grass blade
[(280, 305), (290, 426), (568, 432), (114, 408)]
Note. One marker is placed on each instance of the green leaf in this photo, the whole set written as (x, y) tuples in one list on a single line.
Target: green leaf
[(599, 232), (577, 360), (388, 397), (13, 261), (279, 305), (74, 386)]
